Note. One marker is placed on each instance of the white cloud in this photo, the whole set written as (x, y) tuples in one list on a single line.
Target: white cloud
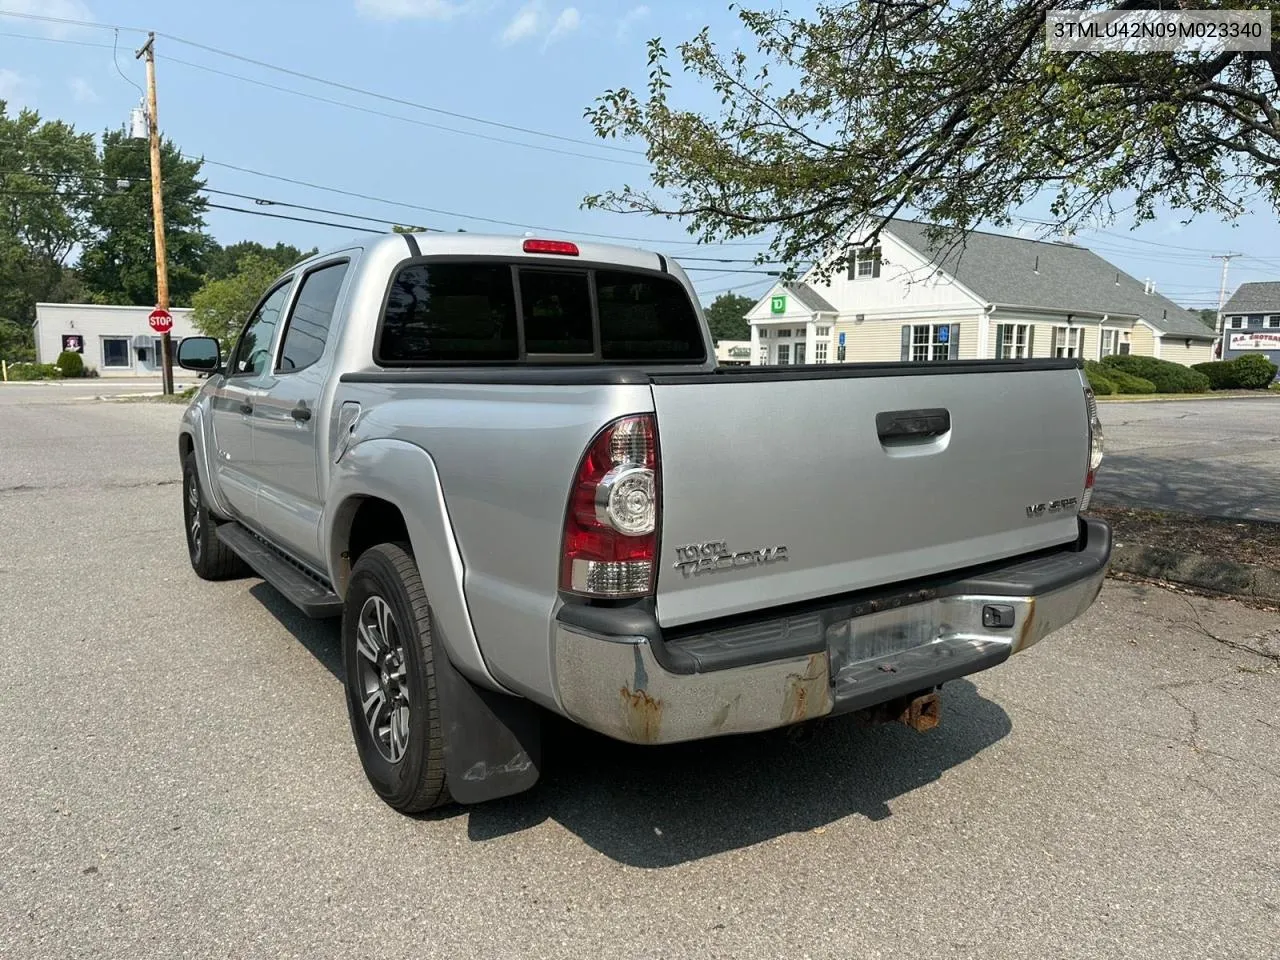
[(13, 89), (82, 90), (526, 23), (410, 9), (630, 19), (568, 21), (54, 9)]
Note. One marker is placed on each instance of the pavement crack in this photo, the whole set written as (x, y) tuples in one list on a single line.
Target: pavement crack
[(118, 485), (1226, 642)]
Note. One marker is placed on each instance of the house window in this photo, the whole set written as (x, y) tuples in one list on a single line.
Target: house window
[(1273, 323), (1111, 342), (864, 263), (784, 332), (1013, 341), (1125, 345), (930, 341), (1067, 341), (820, 352), (764, 333), (826, 331), (115, 353), (799, 352), (1238, 323), (784, 354)]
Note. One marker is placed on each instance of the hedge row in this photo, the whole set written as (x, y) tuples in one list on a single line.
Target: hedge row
[(1252, 371), (1107, 380), (1167, 377)]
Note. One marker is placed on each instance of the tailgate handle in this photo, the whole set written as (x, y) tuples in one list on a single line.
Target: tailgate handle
[(907, 425)]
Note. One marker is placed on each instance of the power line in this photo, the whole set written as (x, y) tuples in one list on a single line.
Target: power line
[(285, 216), (397, 100), (349, 88), (28, 36), (445, 213), (394, 116)]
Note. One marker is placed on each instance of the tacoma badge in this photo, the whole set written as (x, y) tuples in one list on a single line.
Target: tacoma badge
[(699, 558)]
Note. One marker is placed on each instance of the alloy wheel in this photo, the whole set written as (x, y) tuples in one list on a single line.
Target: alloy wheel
[(384, 683)]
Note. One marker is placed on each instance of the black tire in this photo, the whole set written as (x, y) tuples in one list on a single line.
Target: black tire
[(211, 559), (385, 580)]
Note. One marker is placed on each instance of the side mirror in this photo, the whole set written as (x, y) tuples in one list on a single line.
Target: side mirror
[(201, 354)]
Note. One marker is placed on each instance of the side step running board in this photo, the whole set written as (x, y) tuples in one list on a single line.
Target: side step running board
[(304, 591)]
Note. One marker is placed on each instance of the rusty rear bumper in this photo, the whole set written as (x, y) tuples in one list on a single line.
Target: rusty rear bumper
[(633, 684)]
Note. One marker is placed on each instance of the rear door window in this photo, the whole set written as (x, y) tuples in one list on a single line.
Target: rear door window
[(308, 326), (646, 318), (557, 312), (450, 313)]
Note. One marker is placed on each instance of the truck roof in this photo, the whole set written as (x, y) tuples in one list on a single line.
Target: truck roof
[(498, 245)]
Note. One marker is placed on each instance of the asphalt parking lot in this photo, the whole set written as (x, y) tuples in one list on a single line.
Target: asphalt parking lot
[(1214, 457), (177, 777)]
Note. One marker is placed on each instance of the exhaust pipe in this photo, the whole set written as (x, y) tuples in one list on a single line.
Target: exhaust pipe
[(923, 713)]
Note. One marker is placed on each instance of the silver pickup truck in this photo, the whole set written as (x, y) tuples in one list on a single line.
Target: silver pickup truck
[(515, 471)]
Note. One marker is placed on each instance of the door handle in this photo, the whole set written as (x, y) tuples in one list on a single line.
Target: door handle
[(300, 413), (904, 426), (246, 408)]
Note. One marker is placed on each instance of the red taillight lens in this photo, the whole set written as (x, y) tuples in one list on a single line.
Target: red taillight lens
[(611, 525), (559, 247)]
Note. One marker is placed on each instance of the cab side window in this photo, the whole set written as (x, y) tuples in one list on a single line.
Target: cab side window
[(253, 352), (312, 314)]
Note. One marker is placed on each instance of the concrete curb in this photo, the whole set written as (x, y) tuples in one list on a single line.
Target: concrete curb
[(1251, 580)]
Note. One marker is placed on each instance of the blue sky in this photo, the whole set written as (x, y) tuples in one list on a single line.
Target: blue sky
[(528, 63)]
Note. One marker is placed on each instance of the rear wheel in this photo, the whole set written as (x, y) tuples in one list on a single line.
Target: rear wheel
[(211, 559), (390, 680)]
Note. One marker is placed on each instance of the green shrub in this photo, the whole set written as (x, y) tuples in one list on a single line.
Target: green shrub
[(1254, 371), (1128, 383), (1166, 376), (70, 363), (34, 371), (1098, 379), (1222, 374)]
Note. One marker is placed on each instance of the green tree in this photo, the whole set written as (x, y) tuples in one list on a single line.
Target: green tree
[(221, 262), (118, 264), (1208, 317), (222, 306), (48, 177), (727, 317), (949, 110)]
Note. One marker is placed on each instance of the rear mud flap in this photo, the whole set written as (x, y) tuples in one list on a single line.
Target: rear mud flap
[(492, 741)]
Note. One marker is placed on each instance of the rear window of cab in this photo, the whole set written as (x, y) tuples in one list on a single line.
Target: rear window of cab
[(503, 313)]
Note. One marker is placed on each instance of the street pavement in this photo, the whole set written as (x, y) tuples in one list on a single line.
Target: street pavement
[(177, 778), (1212, 457)]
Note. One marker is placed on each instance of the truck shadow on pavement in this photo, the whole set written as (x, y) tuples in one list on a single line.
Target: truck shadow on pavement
[(658, 807), (662, 806)]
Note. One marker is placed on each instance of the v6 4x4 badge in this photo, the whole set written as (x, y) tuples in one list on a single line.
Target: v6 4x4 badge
[(1052, 506), (699, 558)]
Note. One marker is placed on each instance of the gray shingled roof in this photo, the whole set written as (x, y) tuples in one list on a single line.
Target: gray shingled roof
[(1003, 269), (1255, 298), (809, 297)]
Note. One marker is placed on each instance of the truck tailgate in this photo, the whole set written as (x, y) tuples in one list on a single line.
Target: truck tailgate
[(866, 476)]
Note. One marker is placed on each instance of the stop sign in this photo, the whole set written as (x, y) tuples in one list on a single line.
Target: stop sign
[(161, 320)]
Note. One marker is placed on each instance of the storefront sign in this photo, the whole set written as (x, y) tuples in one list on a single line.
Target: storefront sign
[(73, 343), (778, 304), (1255, 341)]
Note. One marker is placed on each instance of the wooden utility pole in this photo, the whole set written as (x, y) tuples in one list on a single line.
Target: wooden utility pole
[(157, 207)]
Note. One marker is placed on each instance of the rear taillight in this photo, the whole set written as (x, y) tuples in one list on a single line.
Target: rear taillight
[(561, 248), (611, 525), (1095, 447)]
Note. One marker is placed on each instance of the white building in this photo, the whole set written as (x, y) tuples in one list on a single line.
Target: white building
[(731, 353), (993, 296), (116, 341)]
